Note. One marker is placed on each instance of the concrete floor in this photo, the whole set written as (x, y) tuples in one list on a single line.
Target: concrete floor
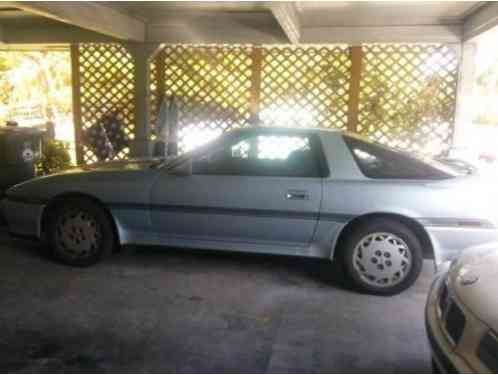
[(157, 310)]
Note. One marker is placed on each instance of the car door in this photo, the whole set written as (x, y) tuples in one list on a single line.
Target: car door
[(257, 188)]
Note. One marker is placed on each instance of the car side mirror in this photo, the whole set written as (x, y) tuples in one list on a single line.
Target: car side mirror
[(182, 169)]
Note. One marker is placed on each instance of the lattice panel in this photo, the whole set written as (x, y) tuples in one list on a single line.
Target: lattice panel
[(211, 86), (106, 87), (407, 96), (305, 86)]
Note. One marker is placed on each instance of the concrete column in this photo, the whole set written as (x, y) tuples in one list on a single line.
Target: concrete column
[(464, 108), (141, 52)]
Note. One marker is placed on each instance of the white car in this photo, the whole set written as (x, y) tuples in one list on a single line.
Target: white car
[(462, 314)]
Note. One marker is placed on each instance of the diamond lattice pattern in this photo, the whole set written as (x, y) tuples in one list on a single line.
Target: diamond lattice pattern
[(106, 88), (406, 100), (211, 86), (305, 86), (407, 96)]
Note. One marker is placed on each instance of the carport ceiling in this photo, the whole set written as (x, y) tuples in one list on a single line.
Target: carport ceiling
[(316, 13), (319, 13), (252, 21)]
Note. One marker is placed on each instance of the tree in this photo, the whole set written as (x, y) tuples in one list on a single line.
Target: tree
[(38, 81)]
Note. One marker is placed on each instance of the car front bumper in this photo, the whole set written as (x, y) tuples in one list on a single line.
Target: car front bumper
[(23, 217), (443, 354)]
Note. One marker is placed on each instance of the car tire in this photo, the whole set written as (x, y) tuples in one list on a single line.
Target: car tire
[(79, 232), (382, 257), (435, 367)]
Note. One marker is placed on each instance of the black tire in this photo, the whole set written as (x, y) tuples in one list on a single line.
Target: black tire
[(103, 243), (435, 367), (382, 225)]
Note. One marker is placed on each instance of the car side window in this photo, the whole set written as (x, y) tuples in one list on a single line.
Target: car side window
[(280, 155), (379, 162)]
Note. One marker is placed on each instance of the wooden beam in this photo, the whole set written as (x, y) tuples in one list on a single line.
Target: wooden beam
[(481, 20), (356, 35), (88, 15), (356, 55), (50, 32), (287, 16), (217, 27)]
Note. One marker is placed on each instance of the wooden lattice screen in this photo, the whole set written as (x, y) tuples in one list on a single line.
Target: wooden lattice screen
[(211, 86), (221, 87), (407, 95), (107, 89), (305, 86), (401, 95)]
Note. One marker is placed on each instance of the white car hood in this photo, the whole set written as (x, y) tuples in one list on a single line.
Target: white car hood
[(474, 278)]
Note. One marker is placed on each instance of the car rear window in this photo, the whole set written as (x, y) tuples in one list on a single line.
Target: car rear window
[(377, 161)]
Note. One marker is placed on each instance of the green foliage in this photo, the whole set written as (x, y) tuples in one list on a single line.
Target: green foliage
[(55, 157), (35, 79), (427, 103)]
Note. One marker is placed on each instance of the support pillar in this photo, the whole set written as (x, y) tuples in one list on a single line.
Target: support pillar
[(141, 52), (464, 108)]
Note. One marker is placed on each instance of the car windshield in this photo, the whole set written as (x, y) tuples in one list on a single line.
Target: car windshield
[(381, 162), (212, 144)]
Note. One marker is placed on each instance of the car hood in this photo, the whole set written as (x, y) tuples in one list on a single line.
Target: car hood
[(94, 179), (132, 164), (474, 278)]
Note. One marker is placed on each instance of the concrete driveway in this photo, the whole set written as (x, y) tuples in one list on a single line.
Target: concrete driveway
[(167, 310)]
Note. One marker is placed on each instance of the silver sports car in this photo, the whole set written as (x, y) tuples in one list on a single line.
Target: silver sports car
[(302, 192)]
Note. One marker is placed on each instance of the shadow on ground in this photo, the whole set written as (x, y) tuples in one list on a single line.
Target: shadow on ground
[(167, 310)]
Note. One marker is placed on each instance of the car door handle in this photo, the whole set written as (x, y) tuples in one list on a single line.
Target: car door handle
[(297, 194)]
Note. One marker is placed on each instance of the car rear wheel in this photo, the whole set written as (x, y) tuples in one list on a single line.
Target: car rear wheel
[(382, 257), (80, 232)]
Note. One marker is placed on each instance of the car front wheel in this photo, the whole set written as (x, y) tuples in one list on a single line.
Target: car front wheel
[(382, 257), (80, 232)]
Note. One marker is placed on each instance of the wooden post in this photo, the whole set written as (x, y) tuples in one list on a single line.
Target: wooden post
[(356, 54), (257, 59), (75, 83)]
